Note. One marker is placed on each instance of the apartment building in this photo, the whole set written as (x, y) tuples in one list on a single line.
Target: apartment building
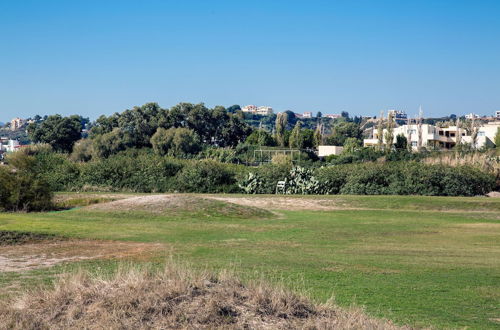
[(433, 137), (262, 110), (16, 123)]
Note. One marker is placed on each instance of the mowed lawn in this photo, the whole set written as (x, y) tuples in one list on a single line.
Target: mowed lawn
[(421, 261)]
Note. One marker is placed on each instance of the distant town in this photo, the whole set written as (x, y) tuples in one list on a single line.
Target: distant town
[(441, 133)]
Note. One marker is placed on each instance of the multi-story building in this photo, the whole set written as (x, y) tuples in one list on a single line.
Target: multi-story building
[(16, 123), (333, 116), (433, 137), (307, 114), (398, 114), (263, 110), (497, 114)]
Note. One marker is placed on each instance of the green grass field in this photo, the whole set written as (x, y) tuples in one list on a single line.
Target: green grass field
[(421, 261)]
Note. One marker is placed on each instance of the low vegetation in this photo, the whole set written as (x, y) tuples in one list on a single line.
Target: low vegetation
[(176, 297), (416, 260)]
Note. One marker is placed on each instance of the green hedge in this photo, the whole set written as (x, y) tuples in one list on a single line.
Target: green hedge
[(143, 171), (405, 178)]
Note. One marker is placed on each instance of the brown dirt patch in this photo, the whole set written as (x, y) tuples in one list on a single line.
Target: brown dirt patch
[(46, 254), (284, 203)]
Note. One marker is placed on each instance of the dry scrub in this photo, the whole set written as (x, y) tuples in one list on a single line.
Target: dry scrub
[(175, 298)]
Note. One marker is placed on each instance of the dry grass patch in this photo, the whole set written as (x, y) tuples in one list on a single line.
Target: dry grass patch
[(45, 254), (173, 298), (285, 203)]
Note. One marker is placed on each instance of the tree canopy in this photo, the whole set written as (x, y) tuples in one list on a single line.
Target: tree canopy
[(60, 132)]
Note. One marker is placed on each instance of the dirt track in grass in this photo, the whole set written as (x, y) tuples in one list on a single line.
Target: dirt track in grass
[(45, 254)]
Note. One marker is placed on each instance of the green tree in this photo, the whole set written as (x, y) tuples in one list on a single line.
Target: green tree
[(60, 132), (351, 145), (318, 136), (497, 139), (389, 134), (178, 142), (105, 145), (319, 114), (281, 123), (296, 137), (83, 150), (261, 138), (401, 142), (342, 131)]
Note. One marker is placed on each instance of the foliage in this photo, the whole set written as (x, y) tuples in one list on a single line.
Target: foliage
[(296, 139), (133, 170), (83, 150), (251, 184), (405, 178), (363, 154), (213, 126), (497, 138), (260, 137), (302, 181), (206, 176), (60, 132), (110, 143), (178, 142), (281, 123), (342, 131), (351, 145), (401, 142), (20, 188)]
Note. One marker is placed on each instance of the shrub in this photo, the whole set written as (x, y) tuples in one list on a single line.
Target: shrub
[(20, 188), (405, 178), (207, 176), (178, 142), (133, 170), (83, 150)]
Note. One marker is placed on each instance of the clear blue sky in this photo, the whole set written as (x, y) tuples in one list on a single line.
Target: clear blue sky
[(98, 57)]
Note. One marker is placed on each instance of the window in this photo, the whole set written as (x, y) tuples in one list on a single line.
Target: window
[(413, 143), (481, 133), (412, 131)]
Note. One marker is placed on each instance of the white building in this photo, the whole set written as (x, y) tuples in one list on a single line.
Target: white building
[(263, 110), (307, 114), (433, 137), (471, 116), (333, 116), (497, 114), (324, 151), (9, 145)]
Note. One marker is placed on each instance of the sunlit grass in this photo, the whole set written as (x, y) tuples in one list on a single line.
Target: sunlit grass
[(422, 261)]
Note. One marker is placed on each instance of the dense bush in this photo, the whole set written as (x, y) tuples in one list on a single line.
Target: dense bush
[(133, 170), (405, 178), (207, 176), (20, 188)]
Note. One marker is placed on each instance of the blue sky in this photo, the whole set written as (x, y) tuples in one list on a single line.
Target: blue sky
[(99, 57)]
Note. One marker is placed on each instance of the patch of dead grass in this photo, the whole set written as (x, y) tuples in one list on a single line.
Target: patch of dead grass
[(45, 254), (174, 298)]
